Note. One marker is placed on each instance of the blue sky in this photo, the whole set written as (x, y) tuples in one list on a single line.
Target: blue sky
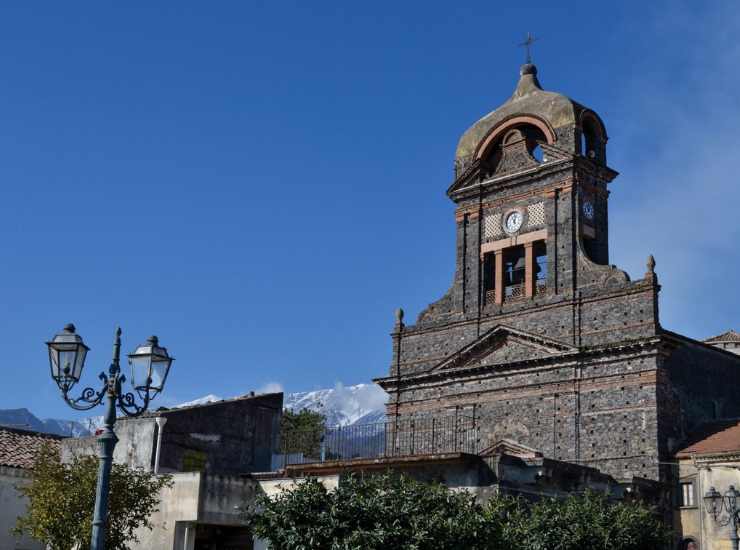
[(262, 183)]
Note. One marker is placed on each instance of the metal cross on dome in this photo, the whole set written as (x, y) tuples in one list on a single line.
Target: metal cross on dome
[(528, 45)]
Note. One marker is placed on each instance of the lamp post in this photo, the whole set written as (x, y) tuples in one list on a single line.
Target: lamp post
[(150, 363), (723, 509)]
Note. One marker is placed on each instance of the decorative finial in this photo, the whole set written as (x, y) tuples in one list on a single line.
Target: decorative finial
[(651, 264), (527, 44), (153, 340), (399, 316), (69, 327)]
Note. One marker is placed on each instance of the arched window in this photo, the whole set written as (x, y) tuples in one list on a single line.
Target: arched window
[(592, 139), (518, 148)]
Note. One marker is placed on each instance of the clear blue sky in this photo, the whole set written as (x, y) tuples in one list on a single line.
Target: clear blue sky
[(262, 183)]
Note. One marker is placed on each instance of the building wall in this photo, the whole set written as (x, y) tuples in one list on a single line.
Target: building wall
[(694, 521), (13, 505), (227, 437), (196, 498), (135, 448), (705, 381)]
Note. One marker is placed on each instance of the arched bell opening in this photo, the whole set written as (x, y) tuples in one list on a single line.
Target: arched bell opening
[(593, 138), (518, 148)]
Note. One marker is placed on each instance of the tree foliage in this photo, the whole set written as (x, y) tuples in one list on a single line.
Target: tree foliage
[(576, 522), (61, 500), (301, 432), (389, 511), (378, 512)]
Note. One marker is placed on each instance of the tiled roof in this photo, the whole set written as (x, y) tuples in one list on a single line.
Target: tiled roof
[(18, 448), (729, 336), (715, 438)]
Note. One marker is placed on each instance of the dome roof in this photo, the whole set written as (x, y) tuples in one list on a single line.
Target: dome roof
[(557, 111)]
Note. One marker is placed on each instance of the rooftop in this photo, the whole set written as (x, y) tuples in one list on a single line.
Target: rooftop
[(729, 336), (18, 448), (714, 438)]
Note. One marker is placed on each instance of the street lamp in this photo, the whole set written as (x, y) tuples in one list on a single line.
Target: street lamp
[(716, 503), (150, 363)]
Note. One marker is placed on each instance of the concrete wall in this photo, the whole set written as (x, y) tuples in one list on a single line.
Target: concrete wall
[(13, 505), (235, 436), (228, 437), (196, 498), (135, 447)]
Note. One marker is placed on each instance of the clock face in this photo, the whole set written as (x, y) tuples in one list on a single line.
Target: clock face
[(513, 221), (588, 210)]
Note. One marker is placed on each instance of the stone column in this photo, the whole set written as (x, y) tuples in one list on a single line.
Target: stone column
[(498, 281), (529, 277)]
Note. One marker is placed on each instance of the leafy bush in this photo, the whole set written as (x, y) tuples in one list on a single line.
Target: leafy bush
[(61, 500), (394, 512)]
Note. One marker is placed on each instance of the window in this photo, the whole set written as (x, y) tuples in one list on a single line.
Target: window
[(514, 272), (687, 494), (540, 267)]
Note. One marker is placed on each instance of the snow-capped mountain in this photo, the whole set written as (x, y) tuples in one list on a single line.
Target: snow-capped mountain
[(342, 406), (26, 420)]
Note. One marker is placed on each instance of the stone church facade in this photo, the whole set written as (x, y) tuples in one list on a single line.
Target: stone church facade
[(539, 339)]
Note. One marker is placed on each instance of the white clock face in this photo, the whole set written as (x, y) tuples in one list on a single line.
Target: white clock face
[(588, 210), (513, 221)]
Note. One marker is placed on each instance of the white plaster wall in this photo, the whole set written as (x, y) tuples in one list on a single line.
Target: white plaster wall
[(12, 505), (179, 504), (695, 522)]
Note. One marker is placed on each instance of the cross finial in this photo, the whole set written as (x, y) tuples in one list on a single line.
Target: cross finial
[(527, 44)]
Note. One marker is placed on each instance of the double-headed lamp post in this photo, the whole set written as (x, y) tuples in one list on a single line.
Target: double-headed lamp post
[(723, 509), (149, 363)]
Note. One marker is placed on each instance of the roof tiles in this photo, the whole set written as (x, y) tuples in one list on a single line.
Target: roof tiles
[(715, 438), (18, 448)]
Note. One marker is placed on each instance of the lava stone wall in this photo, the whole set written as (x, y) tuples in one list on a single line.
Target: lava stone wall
[(599, 411)]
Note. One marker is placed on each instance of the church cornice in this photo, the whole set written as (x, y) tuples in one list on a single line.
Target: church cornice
[(566, 358), (466, 187)]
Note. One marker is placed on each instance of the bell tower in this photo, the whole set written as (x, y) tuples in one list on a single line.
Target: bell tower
[(531, 193)]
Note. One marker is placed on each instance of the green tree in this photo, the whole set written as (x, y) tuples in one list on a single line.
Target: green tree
[(575, 523), (61, 499), (369, 513), (389, 511), (301, 432)]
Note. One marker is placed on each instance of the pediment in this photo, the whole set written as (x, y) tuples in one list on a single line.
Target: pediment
[(504, 345), (511, 448)]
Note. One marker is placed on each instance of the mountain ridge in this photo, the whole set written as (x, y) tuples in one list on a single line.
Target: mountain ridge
[(342, 406)]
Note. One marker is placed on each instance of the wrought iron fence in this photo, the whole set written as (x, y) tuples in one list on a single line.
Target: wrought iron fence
[(402, 437)]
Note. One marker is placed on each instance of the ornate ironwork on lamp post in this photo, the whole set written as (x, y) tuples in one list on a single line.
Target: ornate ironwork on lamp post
[(150, 363), (723, 509)]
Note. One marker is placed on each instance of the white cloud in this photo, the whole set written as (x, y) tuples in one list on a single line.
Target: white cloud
[(270, 387)]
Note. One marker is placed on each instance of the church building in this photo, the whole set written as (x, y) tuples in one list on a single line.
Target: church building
[(540, 340)]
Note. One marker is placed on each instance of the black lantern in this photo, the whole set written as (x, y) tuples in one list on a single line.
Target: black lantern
[(150, 364), (731, 498), (713, 502), (67, 355)]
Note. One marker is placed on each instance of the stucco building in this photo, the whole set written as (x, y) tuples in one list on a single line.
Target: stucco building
[(210, 450), (18, 450), (539, 338), (709, 458)]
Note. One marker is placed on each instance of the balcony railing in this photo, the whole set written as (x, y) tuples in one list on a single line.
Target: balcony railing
[(391, 439)]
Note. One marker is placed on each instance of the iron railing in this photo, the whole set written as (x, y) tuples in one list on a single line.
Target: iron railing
[(403, 437)]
